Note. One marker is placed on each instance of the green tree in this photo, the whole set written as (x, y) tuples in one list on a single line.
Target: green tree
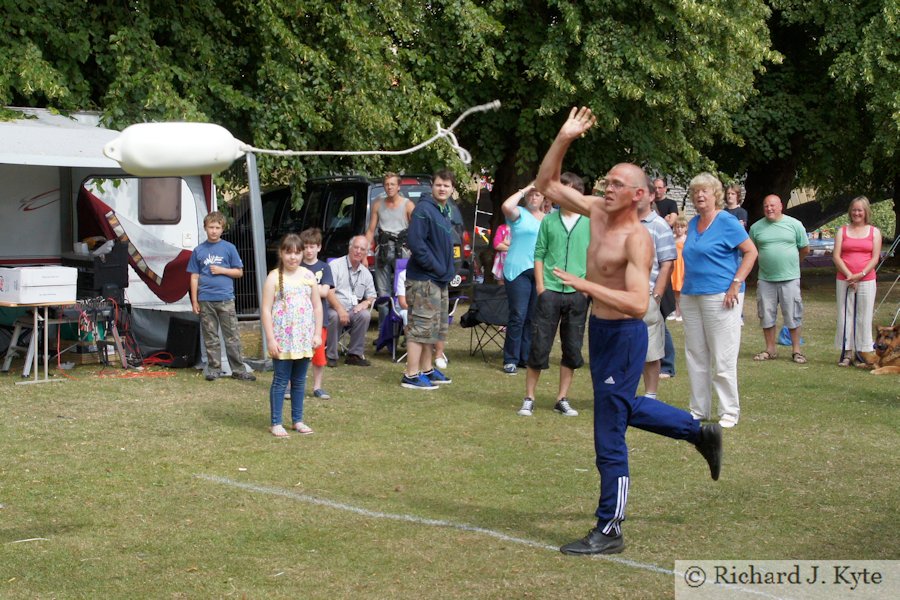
[(828, 116), (664, 78), (298, 74)]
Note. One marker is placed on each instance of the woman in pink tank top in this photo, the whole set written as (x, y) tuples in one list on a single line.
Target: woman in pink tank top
[(857, 249)]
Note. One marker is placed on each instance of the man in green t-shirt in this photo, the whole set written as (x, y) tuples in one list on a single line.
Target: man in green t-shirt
[(562, 242), (782, 244)]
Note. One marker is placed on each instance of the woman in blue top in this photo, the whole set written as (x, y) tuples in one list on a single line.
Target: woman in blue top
[(718, 256), (518, 273)]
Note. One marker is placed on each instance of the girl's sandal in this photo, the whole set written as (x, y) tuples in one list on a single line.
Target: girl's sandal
[(798, 358), (844, 362), (302, 428), (278, 431), (765, 355)]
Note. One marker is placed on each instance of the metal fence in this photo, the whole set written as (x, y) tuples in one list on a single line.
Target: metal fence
[(240, 234)]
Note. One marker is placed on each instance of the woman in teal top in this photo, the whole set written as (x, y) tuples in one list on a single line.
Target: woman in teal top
[(518, 273)]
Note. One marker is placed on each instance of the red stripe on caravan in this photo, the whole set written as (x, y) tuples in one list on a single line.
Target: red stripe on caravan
[(207, 191)]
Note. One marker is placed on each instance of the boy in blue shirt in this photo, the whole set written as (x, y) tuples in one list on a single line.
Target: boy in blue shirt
[(214, 266)]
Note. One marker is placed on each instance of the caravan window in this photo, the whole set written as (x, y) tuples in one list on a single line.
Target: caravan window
[(159, 201)]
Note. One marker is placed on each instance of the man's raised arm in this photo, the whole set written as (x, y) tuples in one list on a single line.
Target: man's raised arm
[(547, 182)]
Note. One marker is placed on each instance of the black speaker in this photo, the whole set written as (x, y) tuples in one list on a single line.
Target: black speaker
[(183, 341)]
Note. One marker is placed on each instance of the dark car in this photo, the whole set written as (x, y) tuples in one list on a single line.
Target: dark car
[(341, 207)]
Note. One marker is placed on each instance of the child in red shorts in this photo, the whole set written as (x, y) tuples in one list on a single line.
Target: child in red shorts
[(312, 244)]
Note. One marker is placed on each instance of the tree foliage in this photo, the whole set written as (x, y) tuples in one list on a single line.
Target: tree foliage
[(298, 74), (664, 77), (828, 116), (678, 85)]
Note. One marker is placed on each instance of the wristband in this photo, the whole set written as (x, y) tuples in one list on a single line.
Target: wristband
[(738, 281)]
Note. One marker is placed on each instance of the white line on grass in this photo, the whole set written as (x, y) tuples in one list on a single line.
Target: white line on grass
[(275, 491)]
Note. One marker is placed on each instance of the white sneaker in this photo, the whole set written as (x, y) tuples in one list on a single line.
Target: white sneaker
[(563, 408), (527, 408), (727, 421), (441, 361), (671, 317)]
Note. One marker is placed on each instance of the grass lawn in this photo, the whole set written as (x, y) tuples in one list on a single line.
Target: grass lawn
[(171, 487)]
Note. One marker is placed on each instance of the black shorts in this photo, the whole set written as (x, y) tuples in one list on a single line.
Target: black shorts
[(568, 312)]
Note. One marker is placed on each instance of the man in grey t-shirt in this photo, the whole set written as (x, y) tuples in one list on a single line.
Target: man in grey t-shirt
[(388, 223)]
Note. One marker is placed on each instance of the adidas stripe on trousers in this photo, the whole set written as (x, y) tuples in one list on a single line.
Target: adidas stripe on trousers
[(617, 352)]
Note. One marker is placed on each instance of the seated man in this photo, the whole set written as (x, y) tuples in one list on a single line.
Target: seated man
[(350, 305)]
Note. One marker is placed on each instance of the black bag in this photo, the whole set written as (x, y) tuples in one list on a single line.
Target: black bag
[(470, 318)]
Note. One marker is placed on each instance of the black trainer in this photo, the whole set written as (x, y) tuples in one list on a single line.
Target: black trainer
[(212, 375), (356, 361), (596, 542), (710, 446), (244, 376)]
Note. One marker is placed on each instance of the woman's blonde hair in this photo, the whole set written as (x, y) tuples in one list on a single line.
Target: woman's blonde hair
[(867, 208), (708, 181)]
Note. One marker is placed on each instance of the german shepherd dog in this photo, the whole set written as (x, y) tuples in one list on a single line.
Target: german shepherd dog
[(887, 349)]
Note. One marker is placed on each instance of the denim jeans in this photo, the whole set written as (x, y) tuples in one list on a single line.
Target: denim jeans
[(667, 364), (384, 275), (293, 371), (521, 296)]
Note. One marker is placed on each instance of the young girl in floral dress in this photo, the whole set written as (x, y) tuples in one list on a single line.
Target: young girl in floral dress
[(291, 315)]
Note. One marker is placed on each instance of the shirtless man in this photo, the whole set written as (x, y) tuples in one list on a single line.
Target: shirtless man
[(618, 276)]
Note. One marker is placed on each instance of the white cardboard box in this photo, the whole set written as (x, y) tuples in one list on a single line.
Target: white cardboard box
[(38, 285)]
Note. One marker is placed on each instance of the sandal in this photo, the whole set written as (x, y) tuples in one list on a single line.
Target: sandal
[(765, 355), (278, 431), (845, 361), (798, 358), (302, 428)]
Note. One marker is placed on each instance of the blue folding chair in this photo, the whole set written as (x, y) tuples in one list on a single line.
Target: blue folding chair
[(391, 330)]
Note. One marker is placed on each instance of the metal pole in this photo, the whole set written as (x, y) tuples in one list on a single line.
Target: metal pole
[(259, 240)]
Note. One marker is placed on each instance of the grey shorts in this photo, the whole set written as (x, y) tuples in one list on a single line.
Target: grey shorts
[(656, 332), (769, 294), (428, 316)]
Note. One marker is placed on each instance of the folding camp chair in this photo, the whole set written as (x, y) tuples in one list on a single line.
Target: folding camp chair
[(390, 330), (486, 318)]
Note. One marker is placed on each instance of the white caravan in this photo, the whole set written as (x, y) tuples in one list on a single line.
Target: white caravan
[(57, 188)]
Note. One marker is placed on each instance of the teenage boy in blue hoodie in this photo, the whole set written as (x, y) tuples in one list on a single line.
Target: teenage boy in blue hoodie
[(428, 274)]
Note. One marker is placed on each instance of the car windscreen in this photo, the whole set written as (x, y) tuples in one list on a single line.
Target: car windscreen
[(413, 192)]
